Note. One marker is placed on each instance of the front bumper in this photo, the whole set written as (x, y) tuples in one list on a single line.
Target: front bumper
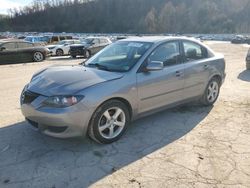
[(57, 122)]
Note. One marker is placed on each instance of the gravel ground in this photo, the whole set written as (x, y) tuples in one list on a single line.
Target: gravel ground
[(189, 146)]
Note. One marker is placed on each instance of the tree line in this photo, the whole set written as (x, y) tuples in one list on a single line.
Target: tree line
[(130, 16)]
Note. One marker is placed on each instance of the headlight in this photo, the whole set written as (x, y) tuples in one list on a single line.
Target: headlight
[(62, 101)]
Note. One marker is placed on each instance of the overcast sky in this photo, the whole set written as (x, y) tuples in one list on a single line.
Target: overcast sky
[(7, 4)]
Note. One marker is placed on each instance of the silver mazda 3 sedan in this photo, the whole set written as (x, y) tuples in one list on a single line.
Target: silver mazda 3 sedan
[(126, 80)]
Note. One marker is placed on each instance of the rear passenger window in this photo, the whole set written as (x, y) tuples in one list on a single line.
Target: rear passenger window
[(194, 51), (168, 53), (9, 46)]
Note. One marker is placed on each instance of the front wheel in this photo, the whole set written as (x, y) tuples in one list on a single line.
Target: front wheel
[(109, 122), (59, 52), (211, 93), (38, 57), (87, 54)]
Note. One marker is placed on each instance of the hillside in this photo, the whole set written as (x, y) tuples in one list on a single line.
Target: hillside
[(131, 16)]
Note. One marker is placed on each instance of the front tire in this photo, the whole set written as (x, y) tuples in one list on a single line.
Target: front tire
[(211, 93), (87, 54), (109, 122), (59, 52), (38, 57)]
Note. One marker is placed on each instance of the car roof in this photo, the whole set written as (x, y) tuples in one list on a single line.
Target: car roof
[(11, 40), (156, 39)]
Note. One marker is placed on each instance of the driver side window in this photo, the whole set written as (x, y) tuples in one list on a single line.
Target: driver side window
[(168, 53)]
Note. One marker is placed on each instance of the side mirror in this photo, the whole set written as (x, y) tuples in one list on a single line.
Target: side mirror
[(154, 66), (2, 48)]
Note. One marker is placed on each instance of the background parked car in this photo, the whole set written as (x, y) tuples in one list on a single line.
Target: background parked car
[(62, 47), (40, 40), (57, 38), (89, 46), (248, 60), (13, 51)]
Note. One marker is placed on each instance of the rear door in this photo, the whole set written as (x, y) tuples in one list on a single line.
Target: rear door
[(163, 87), (196, 65), (8, 53)]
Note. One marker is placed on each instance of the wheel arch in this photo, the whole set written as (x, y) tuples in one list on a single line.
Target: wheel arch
[(218, 77)]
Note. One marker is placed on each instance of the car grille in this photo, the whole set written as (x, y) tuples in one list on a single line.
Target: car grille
[(28, 97)]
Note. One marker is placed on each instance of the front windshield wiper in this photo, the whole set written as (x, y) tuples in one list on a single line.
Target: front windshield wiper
[(99, 66)]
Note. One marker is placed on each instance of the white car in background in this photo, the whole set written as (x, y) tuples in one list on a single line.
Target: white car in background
[(62, 47)]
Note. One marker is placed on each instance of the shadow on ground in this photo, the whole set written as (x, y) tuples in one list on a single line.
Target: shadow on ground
[(244, 76), (29, 159)]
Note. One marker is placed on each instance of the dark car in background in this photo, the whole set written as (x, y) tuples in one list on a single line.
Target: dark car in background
[(248, 60), (240, 39), (15, 51), (89, 46)]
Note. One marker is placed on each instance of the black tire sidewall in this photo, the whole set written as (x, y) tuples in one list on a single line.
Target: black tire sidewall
[(93, 127), (85, 54)]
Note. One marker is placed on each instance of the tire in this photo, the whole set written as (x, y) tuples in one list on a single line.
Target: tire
[(211, 93), (87, 54), (38, 57), (104, 128), (73, 56), (59, 52)]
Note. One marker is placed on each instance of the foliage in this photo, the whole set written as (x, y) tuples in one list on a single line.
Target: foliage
[(131, 16)]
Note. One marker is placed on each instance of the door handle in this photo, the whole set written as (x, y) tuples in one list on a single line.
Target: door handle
[(178, 73)]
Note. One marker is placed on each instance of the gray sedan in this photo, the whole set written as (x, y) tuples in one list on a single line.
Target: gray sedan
[(129, 79)]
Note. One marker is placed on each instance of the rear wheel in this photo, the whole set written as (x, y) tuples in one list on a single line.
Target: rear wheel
[(38, 57), (59, 52), (109, 122), (211, 93)]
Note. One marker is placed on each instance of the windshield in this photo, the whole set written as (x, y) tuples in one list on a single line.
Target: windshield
[(119, 57), (87, 40)]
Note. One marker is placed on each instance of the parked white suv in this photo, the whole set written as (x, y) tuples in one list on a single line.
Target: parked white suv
[(62, 47)]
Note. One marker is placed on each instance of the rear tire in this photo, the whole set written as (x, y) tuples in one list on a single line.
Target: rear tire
[(38, 57), (211, 93), (109, 122)]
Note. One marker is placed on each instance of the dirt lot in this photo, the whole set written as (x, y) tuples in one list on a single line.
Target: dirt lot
[(189, 146)]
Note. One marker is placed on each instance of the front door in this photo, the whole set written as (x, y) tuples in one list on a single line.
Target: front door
[(8, 53), (163, 87)]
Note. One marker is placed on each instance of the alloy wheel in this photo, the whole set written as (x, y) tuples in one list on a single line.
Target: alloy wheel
[(112, 122)]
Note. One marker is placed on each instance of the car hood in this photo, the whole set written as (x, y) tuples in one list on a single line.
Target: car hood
[(68, 80)]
